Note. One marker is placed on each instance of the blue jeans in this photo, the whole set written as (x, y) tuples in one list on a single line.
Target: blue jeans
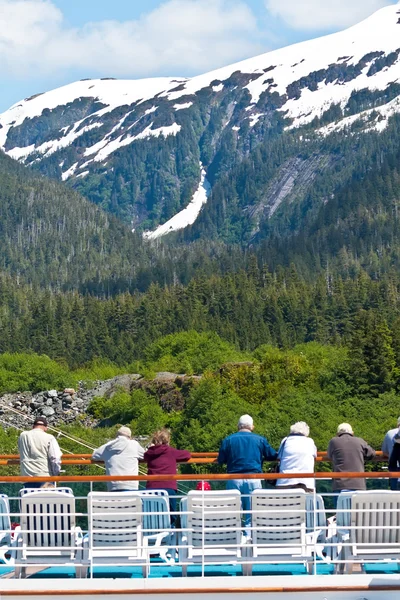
[(173, 503), (245, 487)]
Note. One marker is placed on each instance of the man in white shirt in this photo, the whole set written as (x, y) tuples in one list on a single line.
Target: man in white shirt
[(40, 454), (121, 457), (388, 441)]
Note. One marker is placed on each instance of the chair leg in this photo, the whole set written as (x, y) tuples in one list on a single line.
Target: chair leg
[(247, 569), (20, 572), (146, 569), (81, 572), (184, 570)]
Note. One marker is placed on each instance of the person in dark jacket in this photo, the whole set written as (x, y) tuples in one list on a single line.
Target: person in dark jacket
[(394, 460), (244, 452), (161, 459), (348, 453)]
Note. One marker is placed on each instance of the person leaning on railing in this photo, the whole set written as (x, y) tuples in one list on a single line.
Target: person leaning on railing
[(297, 453), (394, 460), (121, 457), (244, 452), (348, 454), (162, 459), (40, 454), (388, 442)]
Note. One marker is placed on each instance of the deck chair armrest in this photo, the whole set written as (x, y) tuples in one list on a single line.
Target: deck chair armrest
[(5, 545), (77, 535), (313, 536), (183, 547), (318, 547), (157, 537)]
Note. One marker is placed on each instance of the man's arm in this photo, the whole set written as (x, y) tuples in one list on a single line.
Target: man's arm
[(329, 451), (98, 453), (368, 451), (268, 452), (54, 454), (222, 458), (386, 445), (140, 451)]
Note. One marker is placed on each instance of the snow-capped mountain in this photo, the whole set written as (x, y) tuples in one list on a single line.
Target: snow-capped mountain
[(149, 149)]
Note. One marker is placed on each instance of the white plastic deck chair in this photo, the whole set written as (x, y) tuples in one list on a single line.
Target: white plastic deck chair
[(5, 529), (279, 531), (374, 532), (115, 535), (156, 523), (47, 534), (61, 490), (211, 528)]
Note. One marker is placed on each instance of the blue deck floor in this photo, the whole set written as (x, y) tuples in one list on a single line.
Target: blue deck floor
[(165, 571)]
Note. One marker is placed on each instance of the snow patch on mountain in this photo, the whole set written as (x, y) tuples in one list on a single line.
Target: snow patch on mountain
[(373, 119), (67, 174), (188, 215), (182, 106), (104, 148)]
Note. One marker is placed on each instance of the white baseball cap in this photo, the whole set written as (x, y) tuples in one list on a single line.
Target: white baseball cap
[(124, 431)]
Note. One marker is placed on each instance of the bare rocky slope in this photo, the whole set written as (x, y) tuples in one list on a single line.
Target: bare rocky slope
[(68, 406)]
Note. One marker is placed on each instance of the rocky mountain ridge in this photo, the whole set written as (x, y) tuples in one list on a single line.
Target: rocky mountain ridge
[(138, 148)]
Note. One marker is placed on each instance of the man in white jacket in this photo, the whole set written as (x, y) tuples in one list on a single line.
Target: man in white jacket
[(121, 457), (40, 454)]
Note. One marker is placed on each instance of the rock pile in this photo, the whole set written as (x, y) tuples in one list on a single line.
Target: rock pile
[(20, 409)]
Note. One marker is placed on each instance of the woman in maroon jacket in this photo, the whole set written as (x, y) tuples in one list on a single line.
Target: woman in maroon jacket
[(161, 459)]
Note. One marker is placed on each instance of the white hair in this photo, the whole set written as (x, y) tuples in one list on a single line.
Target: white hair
[(301, 428), (345, 428), (245, 422)]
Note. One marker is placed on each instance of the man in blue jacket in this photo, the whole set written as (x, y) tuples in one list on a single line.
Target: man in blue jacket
[(244, 452)]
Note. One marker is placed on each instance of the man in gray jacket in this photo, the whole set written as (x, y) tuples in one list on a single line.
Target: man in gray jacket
[(121, 457), (348, 453)]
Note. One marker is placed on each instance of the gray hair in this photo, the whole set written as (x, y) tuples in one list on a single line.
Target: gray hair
[(301, 428), (345, 428), (245, 422)]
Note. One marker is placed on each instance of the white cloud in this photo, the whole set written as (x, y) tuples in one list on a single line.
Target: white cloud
[(324, 14), (178, 36)]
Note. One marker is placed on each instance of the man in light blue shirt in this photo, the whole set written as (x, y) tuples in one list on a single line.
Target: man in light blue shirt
[(388, 441), (387, 447), (244, 452)]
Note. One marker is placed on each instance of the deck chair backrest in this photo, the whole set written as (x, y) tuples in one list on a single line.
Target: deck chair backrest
[(278, 517), (5, 522), (375, 518), (156, 514), (48, 520), (60, 490), (115, 519), (214, 518)]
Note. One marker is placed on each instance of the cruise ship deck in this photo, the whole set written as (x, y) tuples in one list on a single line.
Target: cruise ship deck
[(78, 539)]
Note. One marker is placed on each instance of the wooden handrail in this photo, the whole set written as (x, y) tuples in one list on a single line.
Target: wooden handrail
[(199, 458)]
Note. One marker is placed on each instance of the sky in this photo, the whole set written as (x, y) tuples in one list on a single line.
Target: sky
[(48, 43)]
